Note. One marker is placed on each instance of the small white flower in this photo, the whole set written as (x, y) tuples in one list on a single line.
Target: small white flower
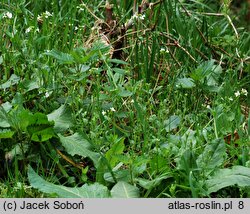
[(47, 14), (47, 94), (39, 18), (103, 113), (164, 50), (76, 28), (244, 92), (112, 109), (237, 93), (28, 29), (7, 15), (141, 17)]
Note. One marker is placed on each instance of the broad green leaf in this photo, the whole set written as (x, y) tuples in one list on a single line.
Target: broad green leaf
[(124, 93), (185, 83), (124, 190), (63, 58), (62, 118), (76, 144), (43, 135), (120, 175), (237, 175), (213, 156), (13, 80), (172, 123), (6, 133), (115, 150), (4, 120), (150, 184), (95, 190), (118, 61)]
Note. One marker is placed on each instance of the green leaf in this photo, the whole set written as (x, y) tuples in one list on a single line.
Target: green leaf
[(116, 149), (6, 133), (118, 61), (213, 156), (43, 135), (76, 144), (63, 58), (62, 118), (124, 93), (124, 190), (185, 83), (4, 120), (150, 184), (238, 175), (95, 190), (172, 123), (13, 80)]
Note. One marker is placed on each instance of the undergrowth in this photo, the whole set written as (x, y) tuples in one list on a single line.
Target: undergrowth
[(126, 98)]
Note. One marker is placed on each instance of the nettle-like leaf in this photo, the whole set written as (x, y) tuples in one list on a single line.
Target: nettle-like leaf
[(113, 153), (150, 184), (63, 58), (77, 144), (95, 190), (13, 80), (213, 156), (124, 190), (6, 133), (185, 83), (40, 128), (237, 175), (62, 118), (172, 123)]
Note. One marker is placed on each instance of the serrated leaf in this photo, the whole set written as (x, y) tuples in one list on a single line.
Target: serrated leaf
[(116, 149), (95, 190), (62, 118), (172, 122), (150, 184), (13, 80), (63, 58), (43, 135), (6, 133), (118, 61), (185, 83), (124, 190), (213, 156), (238, 175), (76, 144)]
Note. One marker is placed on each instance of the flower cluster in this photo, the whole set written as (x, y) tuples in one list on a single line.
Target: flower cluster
[(45, 15), (111, 109), (8, 15), (242, 92)]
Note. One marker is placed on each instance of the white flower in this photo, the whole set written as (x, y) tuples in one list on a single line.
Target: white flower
[(141, 17), (237, 93), (112, 109), (244, 91), (47, 14), (28, 29), (164, 50), (76, 28), (7, 15), (103, 113)]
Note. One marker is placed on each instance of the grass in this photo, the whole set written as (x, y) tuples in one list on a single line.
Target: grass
[(153, 100)]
